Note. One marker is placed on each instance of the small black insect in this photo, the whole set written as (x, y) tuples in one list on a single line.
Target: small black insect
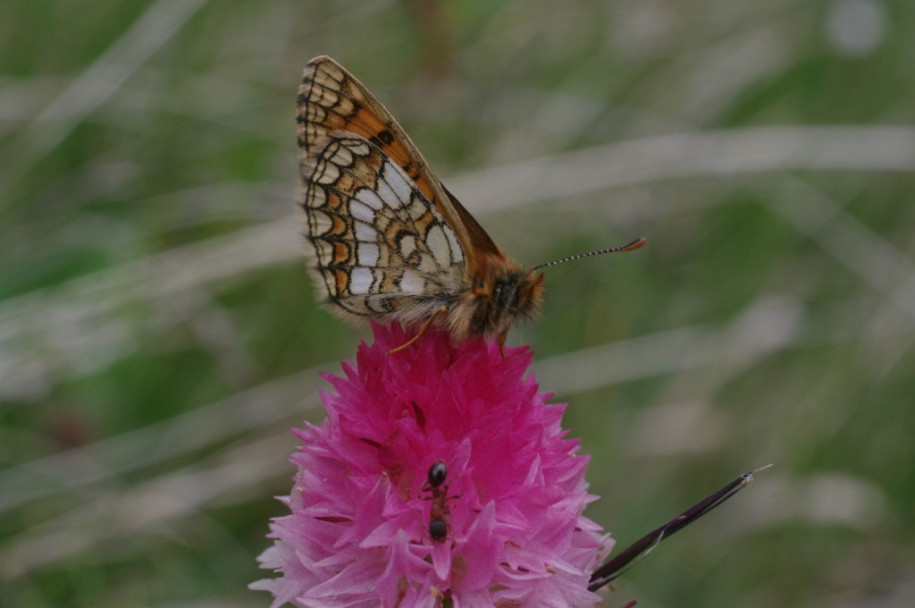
[(435, 483)]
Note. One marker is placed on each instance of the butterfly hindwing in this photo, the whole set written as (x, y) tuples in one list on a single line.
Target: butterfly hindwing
[(378, 242)]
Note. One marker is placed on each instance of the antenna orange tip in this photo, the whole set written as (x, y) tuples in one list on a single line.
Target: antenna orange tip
[(636, 244)]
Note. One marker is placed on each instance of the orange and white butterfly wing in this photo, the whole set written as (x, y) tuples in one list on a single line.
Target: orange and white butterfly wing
[(331, 99), (382, 246)]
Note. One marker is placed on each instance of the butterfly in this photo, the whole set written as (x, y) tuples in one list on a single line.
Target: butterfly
[(387, 240)]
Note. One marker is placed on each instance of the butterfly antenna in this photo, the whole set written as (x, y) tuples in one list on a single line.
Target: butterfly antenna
[(631, 246)]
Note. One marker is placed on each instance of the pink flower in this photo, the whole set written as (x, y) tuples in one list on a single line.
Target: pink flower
[(498, 523)]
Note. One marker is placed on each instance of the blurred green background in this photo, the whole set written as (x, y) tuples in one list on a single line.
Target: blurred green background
[(159, 334)]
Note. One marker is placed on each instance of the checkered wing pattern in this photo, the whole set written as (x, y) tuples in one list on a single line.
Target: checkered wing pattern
[(380, 246)]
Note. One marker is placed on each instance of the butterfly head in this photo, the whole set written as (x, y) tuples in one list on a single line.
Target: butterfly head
[(499, 294), (516, 294)]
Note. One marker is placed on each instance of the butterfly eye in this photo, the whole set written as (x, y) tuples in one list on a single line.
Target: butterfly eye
[(505, 292), (437, 474), (498, 291)]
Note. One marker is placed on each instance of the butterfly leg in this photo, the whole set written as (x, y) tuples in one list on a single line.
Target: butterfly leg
[(422, 330), (503, 335)]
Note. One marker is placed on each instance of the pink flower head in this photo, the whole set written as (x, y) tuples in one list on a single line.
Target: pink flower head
[(440, 476)]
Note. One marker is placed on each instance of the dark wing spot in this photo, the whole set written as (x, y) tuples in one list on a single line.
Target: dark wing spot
[(412, 170), (386, 136)]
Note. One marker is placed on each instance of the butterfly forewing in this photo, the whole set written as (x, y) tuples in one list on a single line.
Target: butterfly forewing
[(331, 99)]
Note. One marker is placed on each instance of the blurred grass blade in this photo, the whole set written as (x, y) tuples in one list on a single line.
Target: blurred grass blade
[(623, 562)]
